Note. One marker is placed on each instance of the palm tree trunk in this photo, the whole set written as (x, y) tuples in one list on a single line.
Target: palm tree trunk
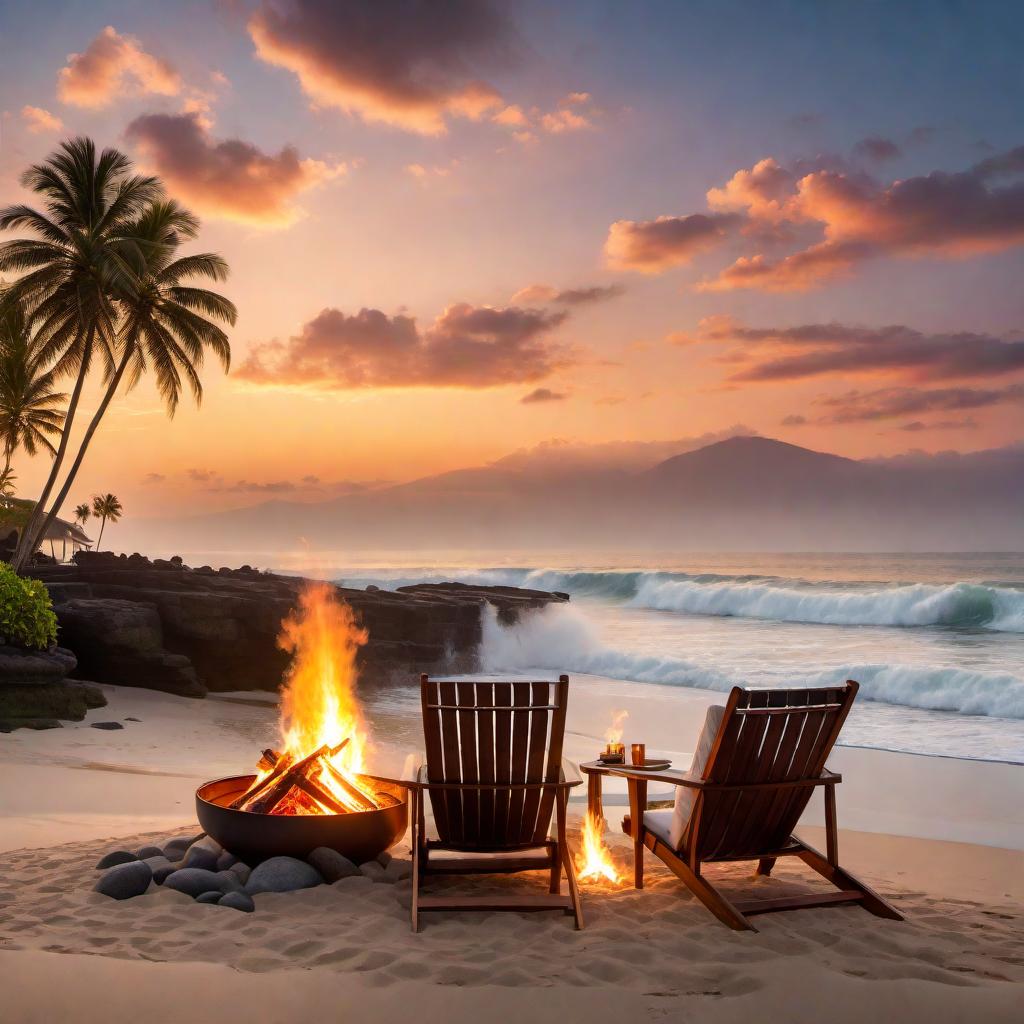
[(93, 424), (103, 526), (29, 534)]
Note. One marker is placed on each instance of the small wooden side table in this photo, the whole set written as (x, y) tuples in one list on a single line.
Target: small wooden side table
[(595, 771)]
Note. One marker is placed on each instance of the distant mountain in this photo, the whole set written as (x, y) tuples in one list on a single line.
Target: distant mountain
[(741, 493)]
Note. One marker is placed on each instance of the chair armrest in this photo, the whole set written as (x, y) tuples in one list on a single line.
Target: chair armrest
[(826, 778), (571, 773)]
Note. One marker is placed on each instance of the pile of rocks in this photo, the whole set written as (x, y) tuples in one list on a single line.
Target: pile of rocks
[(135, 621), (201, 868)]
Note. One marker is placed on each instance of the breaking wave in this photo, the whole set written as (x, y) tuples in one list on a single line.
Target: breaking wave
[(561, 638), (954, 605)]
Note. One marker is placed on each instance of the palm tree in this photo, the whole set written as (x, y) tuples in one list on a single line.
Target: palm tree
[(30, 411), (7, 479), (72, 271), (104, 507), (165, 324), (82, 513)]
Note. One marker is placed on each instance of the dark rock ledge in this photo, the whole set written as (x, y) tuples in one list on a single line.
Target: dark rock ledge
[(165, 626)]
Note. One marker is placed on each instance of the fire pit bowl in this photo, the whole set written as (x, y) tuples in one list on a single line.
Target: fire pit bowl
[(358, 835)]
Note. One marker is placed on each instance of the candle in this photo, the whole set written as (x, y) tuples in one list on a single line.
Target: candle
[(638, 752)]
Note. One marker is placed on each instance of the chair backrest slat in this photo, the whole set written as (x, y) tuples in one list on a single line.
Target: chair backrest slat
[(430, 698), (493, 733), (485, 744), (767, 736), (466, 694)]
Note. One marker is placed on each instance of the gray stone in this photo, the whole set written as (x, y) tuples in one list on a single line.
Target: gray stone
[(238, 901), (231, 881), (331, 864), (242, 871), (282, 874), (384, 859), (194, 881), (157, 863), (149, 851), (200, 857), (213, 896), (397, 869), (109, 726), (175, 849), (372, 870), (205, 842), (161, 873), (124, 881), (225, 860), (115, 857)]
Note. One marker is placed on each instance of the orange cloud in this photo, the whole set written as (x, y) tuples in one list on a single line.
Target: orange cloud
[(466, 346), (39, 120), (111, 65), (412, 71), (813, 350), (979, 210), (652, 246), (232, 179), (567, 296)]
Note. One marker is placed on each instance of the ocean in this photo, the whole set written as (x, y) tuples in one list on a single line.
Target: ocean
[(935, 641)]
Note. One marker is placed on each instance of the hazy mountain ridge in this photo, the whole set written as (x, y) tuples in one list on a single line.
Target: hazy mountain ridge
[(744, 492)]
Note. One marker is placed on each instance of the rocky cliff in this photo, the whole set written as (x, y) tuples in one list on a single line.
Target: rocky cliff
[(163, 625)]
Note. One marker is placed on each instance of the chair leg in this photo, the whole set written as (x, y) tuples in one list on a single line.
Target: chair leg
[(869, 899), (556, 869), (703, 890), (637, 803), (417, 836), (565, 855), (765, 865)]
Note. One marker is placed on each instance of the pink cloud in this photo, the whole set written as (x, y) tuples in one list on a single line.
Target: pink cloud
[(111, 65), (412, 70), (466, 346), (854, 218), (230, 179), (38, 120)]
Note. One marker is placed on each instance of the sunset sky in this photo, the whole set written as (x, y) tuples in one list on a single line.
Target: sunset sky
[(459, 229)]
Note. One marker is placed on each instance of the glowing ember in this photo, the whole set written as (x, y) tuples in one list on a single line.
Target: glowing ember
[(323, 734), (595, 861)]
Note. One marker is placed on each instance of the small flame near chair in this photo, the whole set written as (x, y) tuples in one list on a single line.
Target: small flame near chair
[(594, 863)]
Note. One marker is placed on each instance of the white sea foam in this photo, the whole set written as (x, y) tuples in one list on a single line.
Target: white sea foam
[(561, 637), (919, 604), (954, 605)]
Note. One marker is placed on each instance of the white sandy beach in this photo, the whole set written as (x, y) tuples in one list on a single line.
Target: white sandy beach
[(67, 953)]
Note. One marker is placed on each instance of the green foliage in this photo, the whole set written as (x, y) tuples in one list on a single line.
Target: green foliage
[(26, 614)]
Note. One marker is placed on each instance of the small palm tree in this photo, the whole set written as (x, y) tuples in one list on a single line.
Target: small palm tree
[(7, 479), (82, 513), (104, 507), (30, 407)]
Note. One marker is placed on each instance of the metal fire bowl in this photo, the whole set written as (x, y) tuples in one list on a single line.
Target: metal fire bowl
[(359, 835)]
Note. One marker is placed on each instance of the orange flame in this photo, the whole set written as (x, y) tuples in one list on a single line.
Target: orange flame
[(319, 706), (595, 860), (614, 732)]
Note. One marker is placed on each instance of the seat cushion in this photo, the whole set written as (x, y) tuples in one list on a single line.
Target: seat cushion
[(686, 798), (660, 823)]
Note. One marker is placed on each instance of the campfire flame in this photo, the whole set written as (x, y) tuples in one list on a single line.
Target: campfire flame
[(324, 738), (594, 862)]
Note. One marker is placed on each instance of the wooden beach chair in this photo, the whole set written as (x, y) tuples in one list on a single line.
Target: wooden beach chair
[(494, 775), (758, 760)]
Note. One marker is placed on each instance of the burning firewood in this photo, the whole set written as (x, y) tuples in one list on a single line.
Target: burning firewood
[(310, 785)]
